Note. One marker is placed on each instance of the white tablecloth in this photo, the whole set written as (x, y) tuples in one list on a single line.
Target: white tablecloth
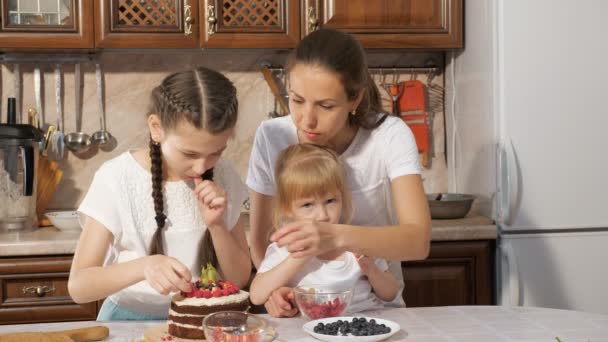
[(452, 323)]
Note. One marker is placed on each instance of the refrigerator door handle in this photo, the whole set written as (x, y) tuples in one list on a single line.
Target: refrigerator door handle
[(509, 276), (508, 183)]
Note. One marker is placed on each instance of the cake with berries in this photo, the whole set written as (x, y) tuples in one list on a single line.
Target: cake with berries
[(207, 295)]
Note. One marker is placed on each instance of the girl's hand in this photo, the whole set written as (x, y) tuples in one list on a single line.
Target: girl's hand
[(306, 238), (366, 263), (212, 201), (166, 274), (281, 303)]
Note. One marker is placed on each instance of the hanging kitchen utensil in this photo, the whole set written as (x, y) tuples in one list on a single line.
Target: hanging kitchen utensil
[(17, 91), (395, 91), (45, 144), (78, 142), (101, 137), (57, 143), (274, 88), (38, 94), (435, 92), (414, 112), (273, 113)]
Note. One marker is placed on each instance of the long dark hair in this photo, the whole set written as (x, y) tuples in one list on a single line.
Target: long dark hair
[(341, 53), (206, 99)]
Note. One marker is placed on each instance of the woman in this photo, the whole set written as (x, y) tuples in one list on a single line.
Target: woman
[(334, 103)]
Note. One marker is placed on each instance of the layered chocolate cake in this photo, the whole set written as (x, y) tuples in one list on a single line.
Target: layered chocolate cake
[(207, 295)]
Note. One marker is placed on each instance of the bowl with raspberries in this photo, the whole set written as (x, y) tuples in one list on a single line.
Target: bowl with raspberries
[(316, 302)]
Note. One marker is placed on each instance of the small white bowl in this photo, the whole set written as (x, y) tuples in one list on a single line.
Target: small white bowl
[(64, 220)]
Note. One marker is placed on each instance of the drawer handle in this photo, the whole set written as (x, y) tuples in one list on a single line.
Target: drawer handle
[(39, 290)]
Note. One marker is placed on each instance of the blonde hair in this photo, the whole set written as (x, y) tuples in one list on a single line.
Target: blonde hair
[(308, 170)]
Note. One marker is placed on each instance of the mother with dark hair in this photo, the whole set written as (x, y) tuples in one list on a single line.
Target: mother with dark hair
[(334, 102)]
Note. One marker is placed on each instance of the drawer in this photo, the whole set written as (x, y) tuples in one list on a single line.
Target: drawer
[(36, 290)]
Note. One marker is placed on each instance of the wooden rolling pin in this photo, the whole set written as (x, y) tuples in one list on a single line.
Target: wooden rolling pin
[(95, 333)]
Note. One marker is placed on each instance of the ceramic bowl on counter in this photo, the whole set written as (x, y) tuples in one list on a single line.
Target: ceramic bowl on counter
[(64, 219), (316, 302), (449, 205)]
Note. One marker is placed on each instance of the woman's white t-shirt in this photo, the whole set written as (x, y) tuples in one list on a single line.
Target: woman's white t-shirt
[(120, 198), (373, 159), (334, 275)]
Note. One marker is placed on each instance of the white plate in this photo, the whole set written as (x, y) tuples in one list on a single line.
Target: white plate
[(309, 328)]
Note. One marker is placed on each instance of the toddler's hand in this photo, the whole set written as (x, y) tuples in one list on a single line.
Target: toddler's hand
[(212, 201), (166, 274), (281, 303), (366, 263)]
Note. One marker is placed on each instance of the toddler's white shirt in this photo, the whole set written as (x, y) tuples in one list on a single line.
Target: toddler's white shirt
[(336, 275)]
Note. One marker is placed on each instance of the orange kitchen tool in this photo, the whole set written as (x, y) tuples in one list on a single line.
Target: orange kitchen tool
[(396, 90), (413, 110), (48, 177)]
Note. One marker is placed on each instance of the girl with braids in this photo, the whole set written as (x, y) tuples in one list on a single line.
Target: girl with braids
[(311, 185), (334, 102), (152, 217)]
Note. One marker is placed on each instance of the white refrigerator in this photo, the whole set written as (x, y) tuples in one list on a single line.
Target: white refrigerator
[(527, 127)]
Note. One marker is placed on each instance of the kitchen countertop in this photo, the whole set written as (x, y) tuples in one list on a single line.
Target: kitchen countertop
[(449, 323), (52, 241)]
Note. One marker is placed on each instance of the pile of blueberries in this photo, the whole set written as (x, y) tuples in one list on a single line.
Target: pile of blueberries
[(356, 327)]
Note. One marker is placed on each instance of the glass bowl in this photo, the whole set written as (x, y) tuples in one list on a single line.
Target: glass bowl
[(234, 326), (316, 302)]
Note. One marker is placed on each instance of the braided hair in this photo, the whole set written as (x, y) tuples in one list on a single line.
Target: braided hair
[(204, 98)]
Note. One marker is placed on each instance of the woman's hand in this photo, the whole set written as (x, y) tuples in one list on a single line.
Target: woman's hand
[(281, 303), (306, 238), (212, 201), (166, 274)]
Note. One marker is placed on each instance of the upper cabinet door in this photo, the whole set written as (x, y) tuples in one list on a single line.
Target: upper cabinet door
[(46, 24), (424, 24), (250, 23), (146, 23)]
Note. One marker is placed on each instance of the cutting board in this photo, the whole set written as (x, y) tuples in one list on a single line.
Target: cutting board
[(160, 333), (48, 177), (95, 333)]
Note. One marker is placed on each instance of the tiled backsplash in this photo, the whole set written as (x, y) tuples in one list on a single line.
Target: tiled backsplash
[(129, 78)]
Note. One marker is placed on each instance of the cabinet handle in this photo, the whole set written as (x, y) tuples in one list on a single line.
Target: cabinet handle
[(39, 290), (211, 20), (312, 19), (188, 20)]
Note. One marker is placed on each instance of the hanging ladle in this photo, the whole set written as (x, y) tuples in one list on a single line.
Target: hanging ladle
[(101, 137), (78, 142)]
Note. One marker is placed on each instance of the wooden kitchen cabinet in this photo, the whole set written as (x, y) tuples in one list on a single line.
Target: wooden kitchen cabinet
[(46, 24), (428, 24), (146, 23), (53, 24), (250, 24), (34, 290), (455, 273)]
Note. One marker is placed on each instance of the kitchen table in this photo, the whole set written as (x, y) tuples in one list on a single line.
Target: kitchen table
[(450, 323)]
